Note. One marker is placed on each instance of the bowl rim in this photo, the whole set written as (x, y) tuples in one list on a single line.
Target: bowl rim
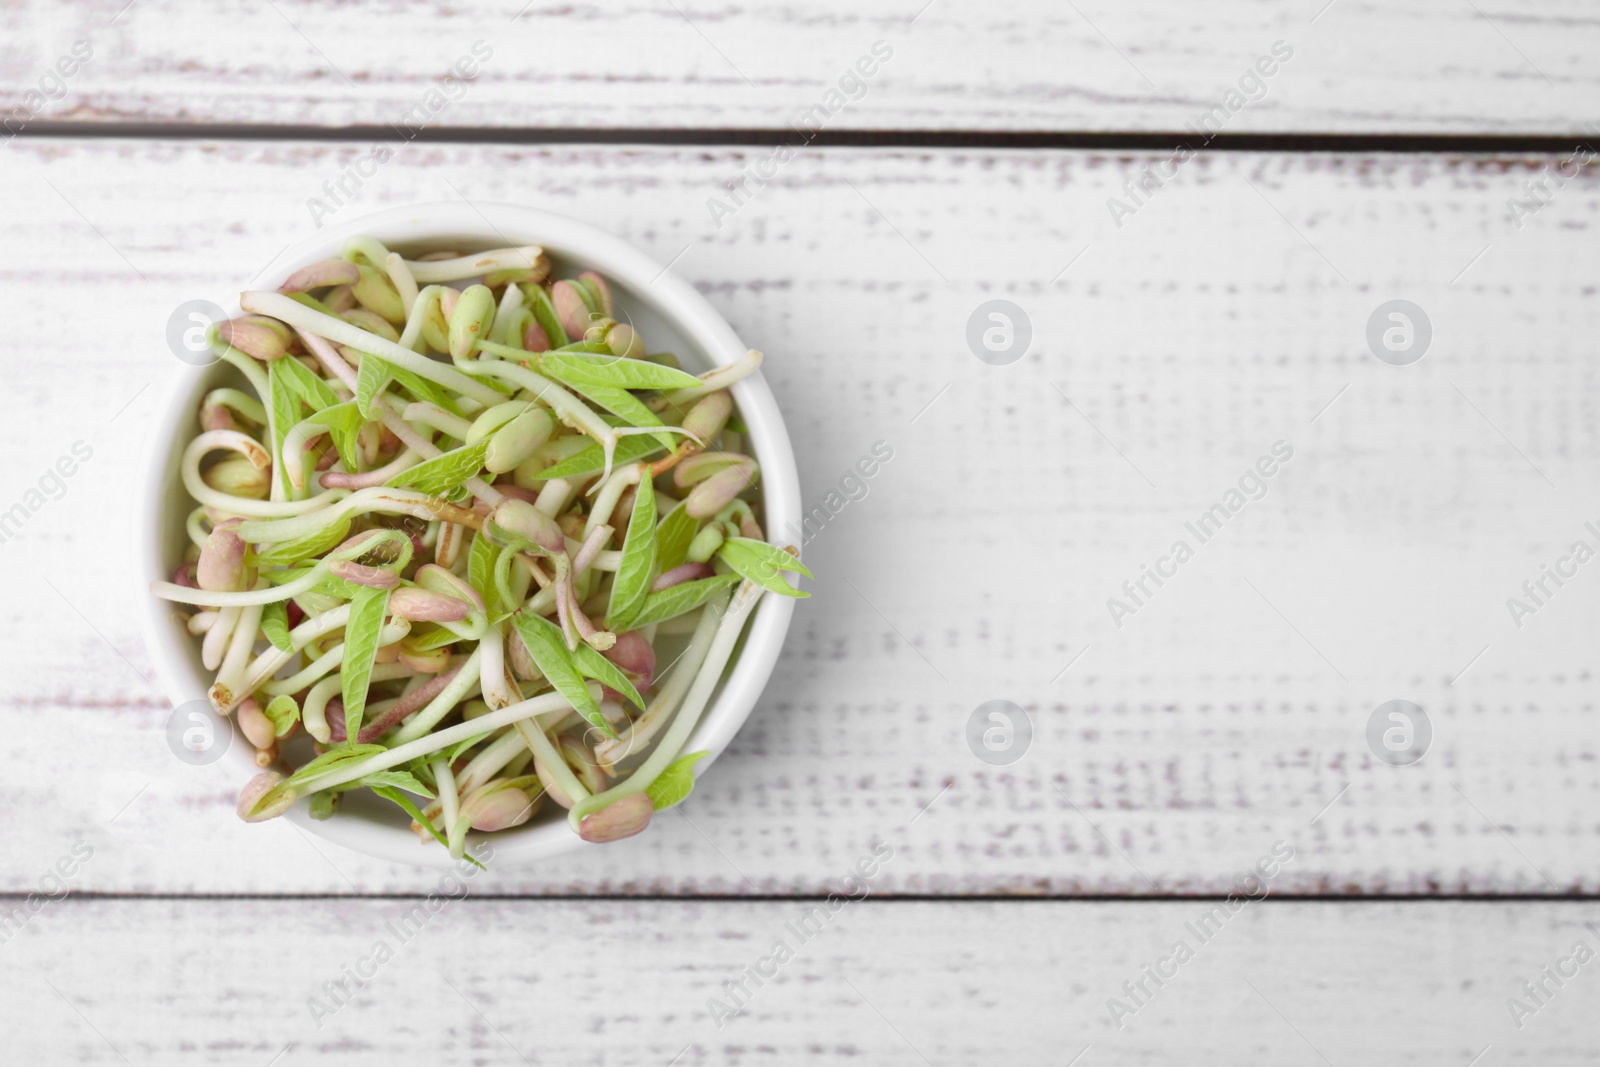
[(644, 280)]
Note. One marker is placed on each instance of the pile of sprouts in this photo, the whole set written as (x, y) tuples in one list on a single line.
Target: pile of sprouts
[(446, 534)]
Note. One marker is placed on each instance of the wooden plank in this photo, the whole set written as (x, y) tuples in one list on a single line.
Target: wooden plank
[(586, 982), (1227, 313), (1356, 65)]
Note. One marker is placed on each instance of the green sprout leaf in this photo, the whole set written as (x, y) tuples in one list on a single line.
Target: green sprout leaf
[(405, 804), (324, 805), (307, 386), (627, 407), (331, 760), (548, 649), (283, 713), (443, 473), (579, 369), (592, 664), (392, 779), (432, 639), (335, 586), (313, 303), (545, 313), (481, 562), (408, 806), (673, 538), (589, 292), (762, 564), (275, 624), (284, 404), (455, 751), (675, 783), (361, 633), (285, 575), (505, 596), (312, 544), (685, 596), (373, 377), (344, 422), (637, 568), (422, 389), (593, 458)]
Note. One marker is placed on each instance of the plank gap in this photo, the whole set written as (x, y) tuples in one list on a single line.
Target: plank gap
[(1036, 140), (9, 898)]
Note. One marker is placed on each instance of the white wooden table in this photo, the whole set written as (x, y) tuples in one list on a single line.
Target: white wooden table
[(1225, 717)]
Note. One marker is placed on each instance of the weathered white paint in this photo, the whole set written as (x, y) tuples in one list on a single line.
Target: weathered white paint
[(978, 566), (631, 982), (1357, 65)]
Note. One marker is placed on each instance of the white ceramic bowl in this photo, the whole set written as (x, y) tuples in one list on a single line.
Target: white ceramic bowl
[(669, 314)]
